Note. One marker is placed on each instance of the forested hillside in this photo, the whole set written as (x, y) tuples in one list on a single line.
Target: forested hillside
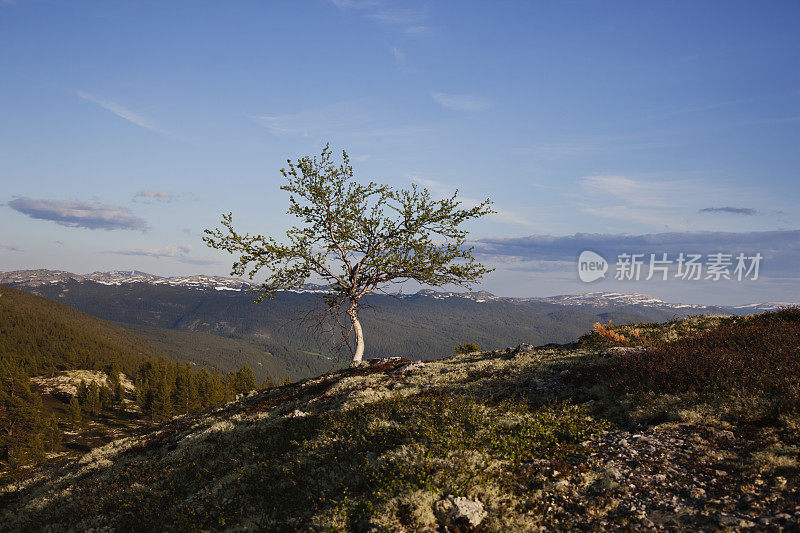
[(42, 338), (415, 327), (39, 336)]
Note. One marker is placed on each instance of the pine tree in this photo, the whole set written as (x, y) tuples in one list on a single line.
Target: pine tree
[(118, 393), (185, 390), (106, 397), (244, 380), (218, 388), (74, 411), (94, 399), (52, 434), (83, 394), (24, 434), (162, 394), (205, 393), (114, 383), (144, 387)]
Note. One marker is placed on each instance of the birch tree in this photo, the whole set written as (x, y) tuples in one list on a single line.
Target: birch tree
[(357, 238)]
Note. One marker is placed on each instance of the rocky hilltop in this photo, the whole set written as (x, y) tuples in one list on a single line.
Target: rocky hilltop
[(620, 430)]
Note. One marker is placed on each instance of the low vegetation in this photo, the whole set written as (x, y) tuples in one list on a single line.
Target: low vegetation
[(692, 426), (743, 368), (467, 347)]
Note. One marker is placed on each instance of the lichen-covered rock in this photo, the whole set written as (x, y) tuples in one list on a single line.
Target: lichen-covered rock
[(411, 367), (459, 514), (620, 350)]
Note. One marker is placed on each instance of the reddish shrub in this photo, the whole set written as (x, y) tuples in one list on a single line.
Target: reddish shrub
[(759, 353)]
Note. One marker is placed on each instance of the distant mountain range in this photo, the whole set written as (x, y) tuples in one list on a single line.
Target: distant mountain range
[(42, 277), (213, 321)]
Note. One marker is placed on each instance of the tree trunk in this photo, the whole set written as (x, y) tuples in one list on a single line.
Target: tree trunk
[(359, 353)]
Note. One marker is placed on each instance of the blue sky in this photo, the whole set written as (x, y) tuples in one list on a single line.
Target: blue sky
[(126, 128)]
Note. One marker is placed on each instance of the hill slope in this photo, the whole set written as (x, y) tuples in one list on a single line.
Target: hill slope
[(41, 336), (45, 344), (587, 436), (421, 326), (229, 353)]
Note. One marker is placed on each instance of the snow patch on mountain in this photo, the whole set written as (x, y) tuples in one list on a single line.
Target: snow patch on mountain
[(35, 278)]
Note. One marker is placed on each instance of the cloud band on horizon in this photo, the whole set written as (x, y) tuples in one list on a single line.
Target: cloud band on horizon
[(781, 248)]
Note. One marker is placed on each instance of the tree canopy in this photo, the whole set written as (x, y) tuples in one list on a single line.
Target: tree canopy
[(357, 238)]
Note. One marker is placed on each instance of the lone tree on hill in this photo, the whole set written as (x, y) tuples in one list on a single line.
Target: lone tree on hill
[(358, 238)]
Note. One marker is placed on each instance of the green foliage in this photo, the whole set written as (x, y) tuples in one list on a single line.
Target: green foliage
[(83, 393), (74, 411), (165, 388), (243, 380), (357, 238), (94, 404), (374, 234), (39, 336), (25, 435), (467, 347)]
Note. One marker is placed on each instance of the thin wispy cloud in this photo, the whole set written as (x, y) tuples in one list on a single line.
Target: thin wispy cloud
[(443, 190), (341, 116), (730, 210), (146, 196), (77, 214), (127, 114), (636, 191), (592, 146), (405, 20), (779, 120), (357, 4), (180, 253), (667, 203), (399, 55), (461, 102), (701, 108), (164, 251), (356, 119)]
